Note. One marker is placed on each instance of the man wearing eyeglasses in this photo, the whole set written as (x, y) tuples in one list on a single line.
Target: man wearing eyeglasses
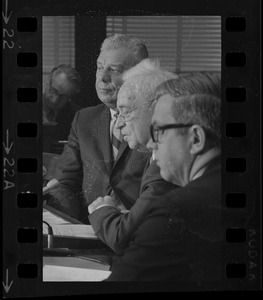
[(180, 237), (136, 100), (63, 84)]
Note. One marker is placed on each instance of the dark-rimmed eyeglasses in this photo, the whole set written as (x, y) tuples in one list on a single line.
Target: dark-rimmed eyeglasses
[(155, 130)]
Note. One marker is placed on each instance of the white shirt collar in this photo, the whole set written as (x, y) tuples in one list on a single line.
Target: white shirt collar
[(113, 113)]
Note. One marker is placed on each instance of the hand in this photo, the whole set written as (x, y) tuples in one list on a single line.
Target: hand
[(51, 185), (106, 201)]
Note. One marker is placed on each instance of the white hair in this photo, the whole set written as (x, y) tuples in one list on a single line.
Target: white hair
[(143, 79)]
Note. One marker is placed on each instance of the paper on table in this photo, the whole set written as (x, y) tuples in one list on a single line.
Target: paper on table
[(57, 273), (73, 269), (64, 228), (53, 219), (72, 230)]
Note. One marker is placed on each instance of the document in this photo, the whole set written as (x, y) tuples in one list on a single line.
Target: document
[(71, 231), (64, 228), (73, 269), (67, 231)]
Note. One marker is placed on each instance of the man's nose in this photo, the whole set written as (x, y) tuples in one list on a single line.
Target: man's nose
[(119, 123), (151, 145), (105, 75)]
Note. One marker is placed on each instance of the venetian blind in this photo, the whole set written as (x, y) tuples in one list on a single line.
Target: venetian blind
[(182, 43), (58, 42)]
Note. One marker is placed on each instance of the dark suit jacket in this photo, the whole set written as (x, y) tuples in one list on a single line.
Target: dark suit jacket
[(52, 134), (87, 170), (180, 237), (115, 228)]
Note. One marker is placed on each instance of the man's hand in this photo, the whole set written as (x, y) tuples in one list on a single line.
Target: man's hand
[(106, 201), (51, 186)]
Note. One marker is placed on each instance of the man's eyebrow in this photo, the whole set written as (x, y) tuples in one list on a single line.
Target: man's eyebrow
[(122, 106), (119, 66), (112, 65)]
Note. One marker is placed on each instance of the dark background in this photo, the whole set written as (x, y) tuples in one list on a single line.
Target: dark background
[(89, 34)]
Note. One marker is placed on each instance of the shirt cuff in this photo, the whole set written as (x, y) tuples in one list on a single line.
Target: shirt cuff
[(102, 205)]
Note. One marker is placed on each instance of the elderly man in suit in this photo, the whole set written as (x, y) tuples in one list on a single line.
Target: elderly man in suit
[(136, 101), (180, 237), (96, 161)]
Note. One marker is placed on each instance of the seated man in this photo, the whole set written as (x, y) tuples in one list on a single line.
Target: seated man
[(96, 161), (136, 100), (63, 84), (181, 235)]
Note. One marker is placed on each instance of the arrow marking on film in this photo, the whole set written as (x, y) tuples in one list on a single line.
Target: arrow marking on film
[(6, 285), (7, 147), (6, 16)]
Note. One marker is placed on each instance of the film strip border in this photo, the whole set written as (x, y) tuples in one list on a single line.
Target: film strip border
[(22, 155)]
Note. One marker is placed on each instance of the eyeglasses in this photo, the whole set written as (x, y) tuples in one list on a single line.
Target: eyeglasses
[(126, 116), (155, 130)]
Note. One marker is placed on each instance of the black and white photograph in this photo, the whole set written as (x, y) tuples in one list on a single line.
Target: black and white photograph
[(131, 147)]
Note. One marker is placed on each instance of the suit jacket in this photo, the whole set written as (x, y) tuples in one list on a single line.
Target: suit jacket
[(52, 134), (115, 228), (180, 238), (87, 169)]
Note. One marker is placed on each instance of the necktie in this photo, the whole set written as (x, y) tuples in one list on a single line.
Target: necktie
[(116, 137)]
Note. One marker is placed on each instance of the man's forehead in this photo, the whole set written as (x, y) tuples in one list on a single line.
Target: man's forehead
[(118, 57)]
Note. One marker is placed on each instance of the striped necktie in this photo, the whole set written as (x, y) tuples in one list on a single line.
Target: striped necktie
[(116, 137)]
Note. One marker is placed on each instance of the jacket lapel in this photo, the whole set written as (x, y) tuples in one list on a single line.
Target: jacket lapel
[(123, 147), (104, 138)]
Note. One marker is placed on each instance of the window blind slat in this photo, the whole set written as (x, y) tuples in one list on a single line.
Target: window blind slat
[(199, 45), (58, 42)]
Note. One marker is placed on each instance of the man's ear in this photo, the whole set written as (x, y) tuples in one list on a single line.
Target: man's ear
[(198, 139)]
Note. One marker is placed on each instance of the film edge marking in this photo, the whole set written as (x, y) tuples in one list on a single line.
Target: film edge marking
[(6, 285)]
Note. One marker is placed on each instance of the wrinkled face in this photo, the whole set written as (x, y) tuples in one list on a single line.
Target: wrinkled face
[(172, 153), (111, 63), (59, 91), (134, 118)]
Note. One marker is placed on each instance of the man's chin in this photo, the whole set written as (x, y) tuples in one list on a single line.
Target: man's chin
[(111, 103), (163, 174), (130, 144)]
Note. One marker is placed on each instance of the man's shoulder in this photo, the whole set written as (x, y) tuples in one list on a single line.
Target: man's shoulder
[(97, 109), (93, 112), (199, 194)]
